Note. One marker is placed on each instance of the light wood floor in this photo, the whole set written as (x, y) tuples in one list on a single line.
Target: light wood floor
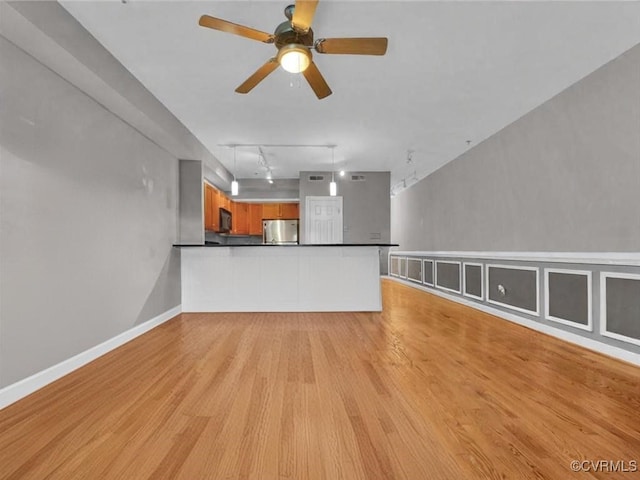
[(428, 389)]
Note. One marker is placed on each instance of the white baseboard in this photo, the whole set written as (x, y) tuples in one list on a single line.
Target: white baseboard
[(14, 392), (589, 343)]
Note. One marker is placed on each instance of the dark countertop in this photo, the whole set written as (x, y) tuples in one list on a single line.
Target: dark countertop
[(290, 245)]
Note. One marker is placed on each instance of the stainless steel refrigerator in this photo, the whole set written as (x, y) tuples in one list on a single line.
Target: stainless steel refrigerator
[(280, 231)]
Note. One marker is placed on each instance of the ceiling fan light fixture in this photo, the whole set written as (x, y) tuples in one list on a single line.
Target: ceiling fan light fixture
[(294, 40), (294, 58)]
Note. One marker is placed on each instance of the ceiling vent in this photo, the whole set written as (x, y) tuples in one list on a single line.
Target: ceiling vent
[(357, 178), (316, 178)]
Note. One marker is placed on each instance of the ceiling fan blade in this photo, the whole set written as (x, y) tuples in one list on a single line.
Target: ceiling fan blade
[(317, 81), (229, 27), (303, 14), (258, 76), (353, 46)]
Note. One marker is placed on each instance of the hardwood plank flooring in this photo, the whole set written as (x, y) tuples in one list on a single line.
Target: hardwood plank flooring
[(428, 389)]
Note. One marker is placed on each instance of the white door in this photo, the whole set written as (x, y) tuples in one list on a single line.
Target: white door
[(323, 220)]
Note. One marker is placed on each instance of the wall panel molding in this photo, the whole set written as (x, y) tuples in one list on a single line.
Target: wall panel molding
[(444, 281), (625, 306), (465, 283), (428, 272), (589, 298), (414, 264), (522, 291), (571, 337), (596, 300)]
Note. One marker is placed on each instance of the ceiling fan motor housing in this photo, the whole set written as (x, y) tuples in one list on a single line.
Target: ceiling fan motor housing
[(285, 34)]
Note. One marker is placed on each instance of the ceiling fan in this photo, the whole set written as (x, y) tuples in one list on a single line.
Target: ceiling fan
[(294, 41)]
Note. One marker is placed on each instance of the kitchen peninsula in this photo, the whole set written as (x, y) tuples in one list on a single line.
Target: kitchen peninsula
[(218, 276), (281, 278)]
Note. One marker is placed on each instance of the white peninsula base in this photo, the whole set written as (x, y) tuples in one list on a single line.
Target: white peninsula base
[(295, 278)]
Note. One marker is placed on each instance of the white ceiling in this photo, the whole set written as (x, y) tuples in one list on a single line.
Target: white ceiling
[(454, 72)]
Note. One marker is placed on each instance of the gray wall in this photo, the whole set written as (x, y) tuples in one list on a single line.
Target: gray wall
[(46, 31), (260, 189), (190, 202), (565, 177), (87, 216), (366, 204)]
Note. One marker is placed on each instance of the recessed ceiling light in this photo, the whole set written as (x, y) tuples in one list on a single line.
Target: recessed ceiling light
[(270, 181), (342, 173)]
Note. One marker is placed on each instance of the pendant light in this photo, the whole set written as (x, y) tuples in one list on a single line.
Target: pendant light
[(333, 188), (234, 184)]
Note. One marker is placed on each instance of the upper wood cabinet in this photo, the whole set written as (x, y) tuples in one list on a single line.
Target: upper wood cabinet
[(270, 210), (255, 218), (246, 218), (290, 211), (213, 200), (239, 218), (286, 211), (217, 198), (207, 207), (211, 217), (225, 202)]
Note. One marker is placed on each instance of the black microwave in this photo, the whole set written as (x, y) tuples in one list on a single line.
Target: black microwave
[(225, 221)]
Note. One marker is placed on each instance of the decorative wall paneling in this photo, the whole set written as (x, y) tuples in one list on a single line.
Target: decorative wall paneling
[(568, 297), (514, 287), (427, 276), (620, 306), (472, 280), (587, 296), (414, 269), (448, 276)]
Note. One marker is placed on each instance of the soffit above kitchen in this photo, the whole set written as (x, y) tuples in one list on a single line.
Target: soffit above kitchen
[(454, 74)]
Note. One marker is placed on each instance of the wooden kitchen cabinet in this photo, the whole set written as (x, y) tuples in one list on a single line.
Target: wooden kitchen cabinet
[(225, 202), (207, 206), (210, 208), (246, 218), (270, 211), (239, 218), (213, 200), (255, 219), (290, 211), (286, 211), (216, 209)]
